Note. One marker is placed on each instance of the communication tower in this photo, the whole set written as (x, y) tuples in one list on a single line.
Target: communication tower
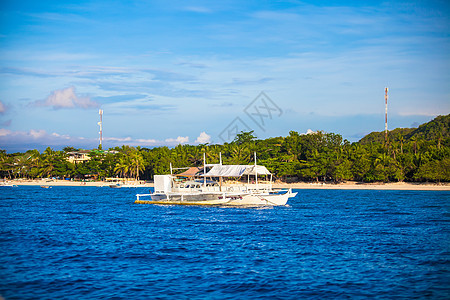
[(386, 115), (100, 112)]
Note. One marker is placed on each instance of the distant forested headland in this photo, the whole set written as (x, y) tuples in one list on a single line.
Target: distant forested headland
[(410, 154)]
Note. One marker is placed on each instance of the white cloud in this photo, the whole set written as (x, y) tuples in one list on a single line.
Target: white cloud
[(37, 134), (40, 139), (203, 138), (4, 132), (426, 112), (309, 131), (113, 139), (63, 136), (198, 9), (22, 141), (67, 98), (147, 141), (2, 107), (178, 140)]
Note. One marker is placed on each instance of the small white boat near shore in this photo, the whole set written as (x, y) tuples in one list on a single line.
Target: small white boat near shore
[(122, 183), (4, 184)]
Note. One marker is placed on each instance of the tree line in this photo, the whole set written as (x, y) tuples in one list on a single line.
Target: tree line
[(319, 156)]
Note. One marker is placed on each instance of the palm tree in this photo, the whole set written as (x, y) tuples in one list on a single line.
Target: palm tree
[(6, 163), (195, 157), (240, 154), (135, 164), (48, 162), (34, 163), (21, 165), (414, 140), (401, 139), (381, 164), (179, 155), (121, 167), (213, 153)]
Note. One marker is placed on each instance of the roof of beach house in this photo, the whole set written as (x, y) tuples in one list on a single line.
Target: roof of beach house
[(191, 172)]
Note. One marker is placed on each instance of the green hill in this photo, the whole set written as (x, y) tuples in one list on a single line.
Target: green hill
[(438, 128)]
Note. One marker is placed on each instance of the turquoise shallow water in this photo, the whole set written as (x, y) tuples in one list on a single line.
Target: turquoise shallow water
[(91, 243)]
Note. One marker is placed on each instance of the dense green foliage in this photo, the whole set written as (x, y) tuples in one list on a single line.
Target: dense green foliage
[(434, 130), (421, 154)]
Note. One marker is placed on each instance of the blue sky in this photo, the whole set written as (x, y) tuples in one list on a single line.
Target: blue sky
[(169, 72)]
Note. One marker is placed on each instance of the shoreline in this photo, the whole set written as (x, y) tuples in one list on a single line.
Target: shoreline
[(55, 182), (400, 186), (395, 186)]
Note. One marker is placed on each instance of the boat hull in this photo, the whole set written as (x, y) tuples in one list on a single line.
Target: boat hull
[(262, 199), (184, 199), (174, 202)]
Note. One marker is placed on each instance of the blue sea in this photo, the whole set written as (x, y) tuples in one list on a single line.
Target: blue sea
[(95, 243)]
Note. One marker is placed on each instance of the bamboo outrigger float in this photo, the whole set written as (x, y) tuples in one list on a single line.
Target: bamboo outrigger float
[(208, 192)]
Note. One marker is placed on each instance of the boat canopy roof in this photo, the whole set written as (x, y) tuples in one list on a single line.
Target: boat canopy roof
[(191, 172), (252, 170), (236, 170)]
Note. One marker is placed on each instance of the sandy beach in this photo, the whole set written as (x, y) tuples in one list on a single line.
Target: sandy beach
[(50, 182), (401, 186), (298, 185)]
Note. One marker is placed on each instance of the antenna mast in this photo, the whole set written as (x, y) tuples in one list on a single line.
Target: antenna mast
[(100, 112), (204, 169), (386, 115)]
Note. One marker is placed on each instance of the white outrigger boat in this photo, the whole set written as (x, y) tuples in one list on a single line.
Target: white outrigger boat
[(208, 192), (7, 184)]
